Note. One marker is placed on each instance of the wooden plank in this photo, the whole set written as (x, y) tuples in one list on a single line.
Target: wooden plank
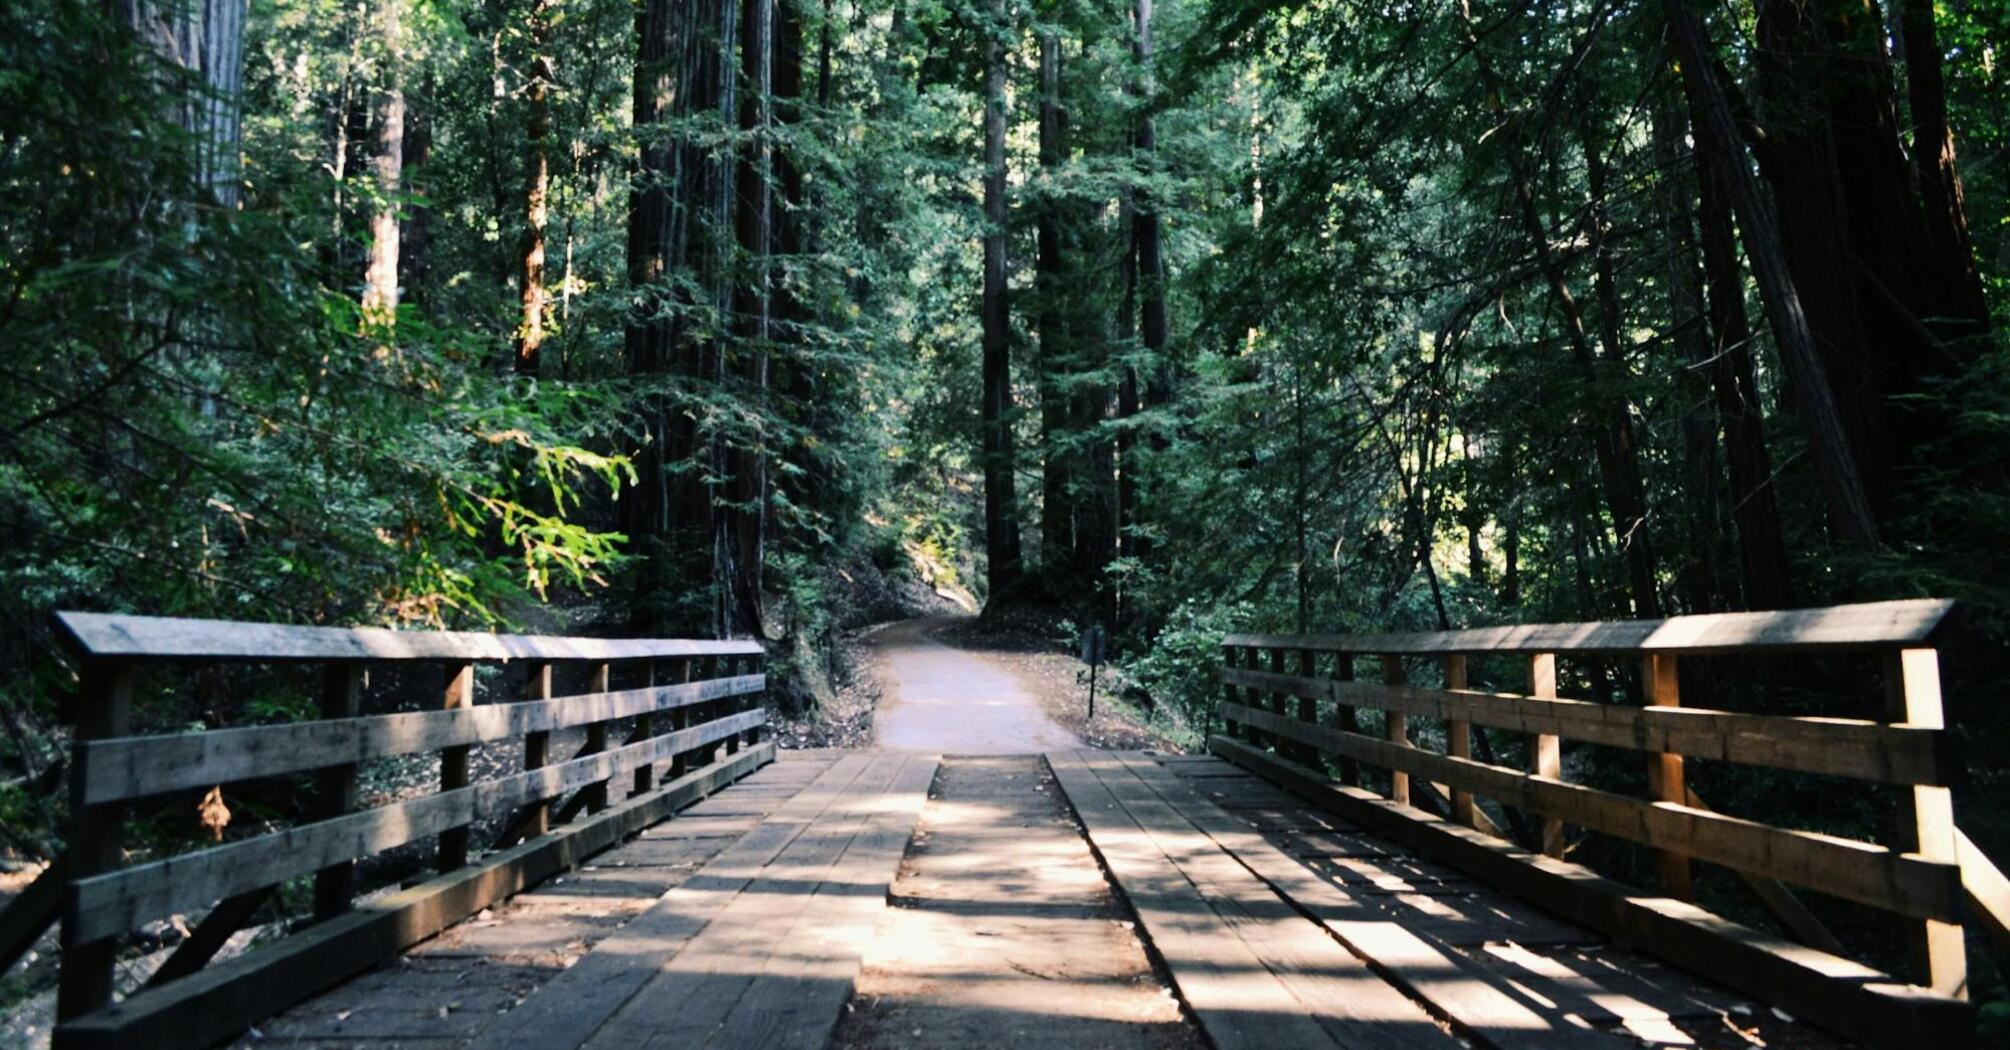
[(160, 638), (1987, 889), (1396, 730), (1837, 993), (1664, 769), (341, 697), (113, 903), (1780, 902), (1474, 1001), (1546, 749), (694, 992), (537, 748), (1925, 824), (460, 694), (224, 999), (104, 709), (1355, 1007), (1898, 623), (210, 935), (569, 1008), (1868, 874), (1459, 742), (135, 767), (1235, 997), (1875, 751), (809, 975)]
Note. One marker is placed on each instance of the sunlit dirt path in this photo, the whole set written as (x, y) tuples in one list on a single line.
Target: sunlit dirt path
[(946, 701)]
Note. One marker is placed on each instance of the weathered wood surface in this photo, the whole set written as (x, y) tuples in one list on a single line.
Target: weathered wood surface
[(1870, 874), (112, 903), (1846, 747), (1255, 972), (1844, 996), (115, 636), (135, 767), (223, 999), (1873, 624)]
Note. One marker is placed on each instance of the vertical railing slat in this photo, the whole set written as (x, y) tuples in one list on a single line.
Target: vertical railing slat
[(104, 709), (1665, 779), (1546, 749), (1396, 729), (459, 692), (1926, 817), (341, 697), (1459, 741)]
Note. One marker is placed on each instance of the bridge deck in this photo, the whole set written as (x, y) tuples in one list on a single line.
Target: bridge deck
[(758, 918)]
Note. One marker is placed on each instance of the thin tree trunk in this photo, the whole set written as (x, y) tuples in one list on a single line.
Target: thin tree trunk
[(753, 226), (1939, 184), (1762, 552), (1696, 573), (1151, 276), (1001, 520), (537, 189), (1057, 511), (387, 165), (415, 236), (1842, 486)]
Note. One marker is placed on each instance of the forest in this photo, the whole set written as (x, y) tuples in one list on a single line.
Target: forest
[(732, 318)]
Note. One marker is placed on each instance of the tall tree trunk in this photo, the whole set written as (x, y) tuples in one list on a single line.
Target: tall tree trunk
[(1001, 517), (1128, 402), (415, 238), (1836, 470), (1940, 191), (1151, 275), (1762, 550), (1696, 573), (537, 189), (753, 227), (1058, 513), (387, 165)]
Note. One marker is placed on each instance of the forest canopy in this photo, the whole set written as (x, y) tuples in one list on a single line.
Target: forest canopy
[(687, 316)]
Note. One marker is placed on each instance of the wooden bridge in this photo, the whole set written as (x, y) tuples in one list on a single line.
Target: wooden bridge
[(1356, 864)]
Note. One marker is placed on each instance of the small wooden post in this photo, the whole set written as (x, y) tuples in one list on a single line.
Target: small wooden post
[(1345, 719), (1664, 770), (1926, 816), (680, 718), (729, 666), (537, 748), (104, 709), (459, 692), (1286, 747), (755, 664), (341, 697), (1308, 707), (1459, 740), (645, 727), (596, 737), (1398, 730), (1252, 697), (1546, 750), (1230, 728)]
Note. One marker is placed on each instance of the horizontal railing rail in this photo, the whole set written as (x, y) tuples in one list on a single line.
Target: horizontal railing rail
[(1290, 703), (696, 716)]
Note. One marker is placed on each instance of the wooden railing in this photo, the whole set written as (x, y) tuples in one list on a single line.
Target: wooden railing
[(1279, 696), (690, 701)]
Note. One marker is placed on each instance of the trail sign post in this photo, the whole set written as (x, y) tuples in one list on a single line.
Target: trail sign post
[(1094, 641)]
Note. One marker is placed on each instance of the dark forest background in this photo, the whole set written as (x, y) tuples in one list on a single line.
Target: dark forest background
[(726, 317)]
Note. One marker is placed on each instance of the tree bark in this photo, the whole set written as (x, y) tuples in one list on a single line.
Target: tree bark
[(1057, 510), (1001, 519), (1940, 190), (387, 165), (1836, 470), (1696, 573), (753, 227), (537, 188)]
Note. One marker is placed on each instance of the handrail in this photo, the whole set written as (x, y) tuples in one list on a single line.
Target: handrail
[(1867, 625), (692, 704), (111, 636), (1918, 875)]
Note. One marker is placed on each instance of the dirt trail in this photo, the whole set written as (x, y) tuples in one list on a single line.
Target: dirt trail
[(943, 700)]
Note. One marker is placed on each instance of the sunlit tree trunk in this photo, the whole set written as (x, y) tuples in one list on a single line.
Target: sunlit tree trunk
[(537, 189), (387, 166), (1057, 510)]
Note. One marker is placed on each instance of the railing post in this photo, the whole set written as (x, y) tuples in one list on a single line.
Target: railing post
[(537, 748), (1546, 749), (1345, 718), (645, 727), (1664, 771), (1459, 740), (729, 666), (1926, 815), (104, 709), (1286, 747), (1229, 727), (1397, 727), (680, 718), (459, 692), (341, 697), (757, 663), (1252, 697), (595, 794), (1308, 707)]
